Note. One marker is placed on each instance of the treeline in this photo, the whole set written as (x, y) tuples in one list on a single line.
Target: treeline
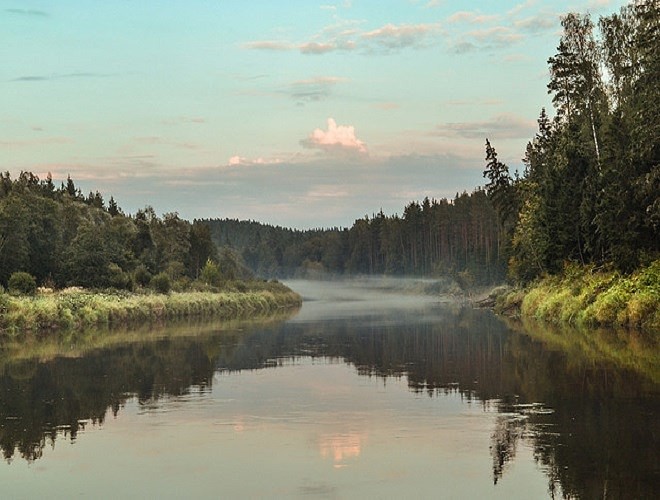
[(63, 238), (459, 237), (590, 191)]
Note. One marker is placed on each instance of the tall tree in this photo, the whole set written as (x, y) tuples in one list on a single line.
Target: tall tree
[(575, 78)]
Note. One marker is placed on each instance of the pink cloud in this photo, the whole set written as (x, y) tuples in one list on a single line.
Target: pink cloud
[(237, 160), (337, 137)]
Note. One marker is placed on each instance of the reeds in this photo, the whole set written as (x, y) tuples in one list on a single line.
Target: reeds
[(80, 309)]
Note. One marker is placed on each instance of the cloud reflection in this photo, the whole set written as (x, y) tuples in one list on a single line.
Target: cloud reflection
[(341, 447)]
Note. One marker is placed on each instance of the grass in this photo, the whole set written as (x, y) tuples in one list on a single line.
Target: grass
[(78, 309), (582, 296)]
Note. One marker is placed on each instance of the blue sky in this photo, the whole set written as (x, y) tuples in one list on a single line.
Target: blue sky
[(298, 113)]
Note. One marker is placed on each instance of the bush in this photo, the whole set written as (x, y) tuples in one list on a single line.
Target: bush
[(118, 278), (21, 283), (211, 274), (141, 275), (161, 283)]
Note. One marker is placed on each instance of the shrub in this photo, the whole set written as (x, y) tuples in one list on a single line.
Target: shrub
[(211, 274), (118, 278), (161, 283), (141, 275), (21, 283)]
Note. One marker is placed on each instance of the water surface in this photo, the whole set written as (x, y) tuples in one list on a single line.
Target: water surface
[(370, 391)]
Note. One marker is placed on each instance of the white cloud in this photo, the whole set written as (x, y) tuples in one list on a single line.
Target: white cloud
[(520, 7), (471, 17), (398, 36), (337, 138), (347, 37)]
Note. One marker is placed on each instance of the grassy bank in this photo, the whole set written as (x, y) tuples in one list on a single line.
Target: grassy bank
[(79, 309), (582, 296)]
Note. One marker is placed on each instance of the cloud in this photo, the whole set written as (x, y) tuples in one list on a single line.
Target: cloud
[(236, 161), (520, 7), (464, 47), (179, 120), (387, 105), (28, 12), (154, 140), (317, 48), (598, 5), (538, 23), (336, 138), (43, 78), (393, 36), (514, 58), (345, 36), (30, 143), (502, 126), (474, 102), (471, 17), (496, 35), (314, 89), (268, 45), (30, 79)]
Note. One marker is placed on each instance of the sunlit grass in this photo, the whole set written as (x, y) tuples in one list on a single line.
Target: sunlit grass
[(582, 296), (79, 309)]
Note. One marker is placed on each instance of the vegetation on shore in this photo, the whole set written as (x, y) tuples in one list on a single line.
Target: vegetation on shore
[(76, 309), (582, 296), (70, 262)]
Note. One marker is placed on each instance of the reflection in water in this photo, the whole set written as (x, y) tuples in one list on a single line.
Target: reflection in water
[(593, 426), (341, 447)]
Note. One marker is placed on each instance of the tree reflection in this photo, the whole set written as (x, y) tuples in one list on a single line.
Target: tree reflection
[(593, 426)]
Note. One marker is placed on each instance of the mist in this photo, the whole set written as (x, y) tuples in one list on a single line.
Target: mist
[(350, 297)]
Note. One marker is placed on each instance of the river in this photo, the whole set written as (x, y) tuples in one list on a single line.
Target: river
[(369, 391)]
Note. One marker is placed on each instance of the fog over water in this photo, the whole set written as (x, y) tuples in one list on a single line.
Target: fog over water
[(366, 296)]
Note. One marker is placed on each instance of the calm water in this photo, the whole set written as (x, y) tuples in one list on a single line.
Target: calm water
[(365, 393)]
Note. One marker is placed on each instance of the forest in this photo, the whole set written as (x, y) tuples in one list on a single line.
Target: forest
[(63, 238), (588, 194), (456, 237)]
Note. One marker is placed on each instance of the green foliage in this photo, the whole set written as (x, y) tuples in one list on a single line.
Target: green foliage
[(72, 240), (117, 278), (161, 283), (22, 283), (141, 276), (211, 274), (589, 193)]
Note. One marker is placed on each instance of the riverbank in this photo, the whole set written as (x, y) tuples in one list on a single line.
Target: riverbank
[(583, 296), (78, 309)]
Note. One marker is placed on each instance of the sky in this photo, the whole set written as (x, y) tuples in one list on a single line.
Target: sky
[(297, 113)]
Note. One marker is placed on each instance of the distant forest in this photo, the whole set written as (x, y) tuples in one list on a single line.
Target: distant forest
[(458, 237), (589, 193)]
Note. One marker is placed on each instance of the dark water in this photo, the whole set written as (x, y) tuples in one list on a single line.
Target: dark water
[(365, 393)]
